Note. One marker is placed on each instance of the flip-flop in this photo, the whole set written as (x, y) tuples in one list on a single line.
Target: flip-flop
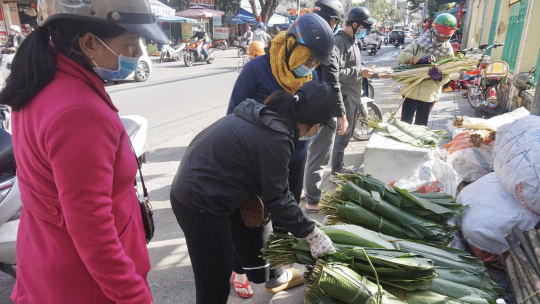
[(240, 285), (312, 210), (295, 277)]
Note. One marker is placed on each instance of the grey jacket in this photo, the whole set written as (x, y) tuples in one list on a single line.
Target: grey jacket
[(262, 36), (350, 66), (330, 74)]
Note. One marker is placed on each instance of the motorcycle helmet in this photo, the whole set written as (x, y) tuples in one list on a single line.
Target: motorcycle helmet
[(256, 49), (315, 33), (523, 81), (361, 16), (373, 30), (329, 9), (260, 25), (445, 25), (15, 28), (135, 16)]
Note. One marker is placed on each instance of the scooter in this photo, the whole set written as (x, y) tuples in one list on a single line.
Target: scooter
[(371, 49), (396, 43), (386, 41), (10, 196), (242, 48), (221, 44), (194, 53), (173, 52)]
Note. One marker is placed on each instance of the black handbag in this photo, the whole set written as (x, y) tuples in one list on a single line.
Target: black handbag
[(146, 207)]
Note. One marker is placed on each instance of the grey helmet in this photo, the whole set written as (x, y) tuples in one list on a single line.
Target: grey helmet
[(315, 33), (134, 15)]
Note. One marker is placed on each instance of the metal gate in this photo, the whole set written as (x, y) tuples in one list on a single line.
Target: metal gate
[(494, 23), (516, 23)]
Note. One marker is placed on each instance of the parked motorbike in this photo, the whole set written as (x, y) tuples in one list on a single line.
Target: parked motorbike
[(221, 44), (242, 47), (372, 49), (194, 53), (367, 108), (171, 52), (10, 196)]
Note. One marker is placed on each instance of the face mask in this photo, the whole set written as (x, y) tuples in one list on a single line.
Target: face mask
[(12, 33), (361, 34), (306, 138), (302, 71), (126, 66), (337, 30)]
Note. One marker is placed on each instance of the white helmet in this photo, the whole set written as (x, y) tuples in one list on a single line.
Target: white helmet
[(134, 15), (15, 28)]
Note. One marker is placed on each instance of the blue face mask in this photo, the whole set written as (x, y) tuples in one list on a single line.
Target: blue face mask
[(306, 138), (361, 34), (126, 66), (302, 71), (337, 30)]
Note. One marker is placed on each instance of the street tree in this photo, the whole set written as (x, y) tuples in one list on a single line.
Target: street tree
[(382, 10), (433, 6), (267, 9)]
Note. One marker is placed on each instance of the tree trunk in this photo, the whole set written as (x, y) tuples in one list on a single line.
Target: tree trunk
[(254, 9)]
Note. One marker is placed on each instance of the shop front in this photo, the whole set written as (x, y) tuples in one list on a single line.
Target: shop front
[(22, 13)]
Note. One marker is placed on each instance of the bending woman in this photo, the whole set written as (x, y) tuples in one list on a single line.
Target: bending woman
[(243, 154)]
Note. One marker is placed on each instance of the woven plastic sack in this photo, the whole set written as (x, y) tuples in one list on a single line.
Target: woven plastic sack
[(472, 163), (492, 213), (516, 160)]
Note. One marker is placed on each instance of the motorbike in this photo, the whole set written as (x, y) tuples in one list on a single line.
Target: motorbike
[(221, 44), (10, 196), (194, 53), (242, 48), (396, 43), (172, 52), (367, 108), (372, 49), (386, 41)]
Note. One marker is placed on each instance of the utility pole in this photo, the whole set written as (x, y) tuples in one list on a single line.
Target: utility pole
[(424, 12), (297, 8)]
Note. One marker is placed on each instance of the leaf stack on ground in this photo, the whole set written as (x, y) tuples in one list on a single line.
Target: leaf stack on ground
[(523, 265), (370, 267), (365, 201)]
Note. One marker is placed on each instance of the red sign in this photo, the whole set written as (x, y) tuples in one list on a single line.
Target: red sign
[(207, 3)]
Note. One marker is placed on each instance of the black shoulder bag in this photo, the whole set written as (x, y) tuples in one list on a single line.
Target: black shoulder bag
[(146, 208)]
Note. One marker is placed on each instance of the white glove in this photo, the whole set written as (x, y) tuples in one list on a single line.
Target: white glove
[(319, 243)]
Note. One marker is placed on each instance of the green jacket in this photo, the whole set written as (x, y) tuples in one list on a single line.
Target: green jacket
[(428, 90)]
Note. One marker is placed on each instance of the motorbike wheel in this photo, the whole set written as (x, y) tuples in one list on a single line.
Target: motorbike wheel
[(211, 57), (473, 96), (188, 59), (223, 47), (371, 91), (362, 131), (240, 53)]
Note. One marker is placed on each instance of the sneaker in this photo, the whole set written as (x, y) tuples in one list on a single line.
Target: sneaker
[(448, 90)]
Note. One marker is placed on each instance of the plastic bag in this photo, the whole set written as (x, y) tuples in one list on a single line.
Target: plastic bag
[(433, 175), (492, 213), (472, 163), (516, 160)]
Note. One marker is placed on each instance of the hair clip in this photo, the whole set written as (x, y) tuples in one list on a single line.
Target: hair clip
[(296, 98)]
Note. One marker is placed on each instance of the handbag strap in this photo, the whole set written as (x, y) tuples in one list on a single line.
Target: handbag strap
[(145, 191)]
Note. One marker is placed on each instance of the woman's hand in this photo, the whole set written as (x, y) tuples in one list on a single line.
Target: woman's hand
[(343, 125), (319, 243), (435, 74), (427, 59), (367, 73)]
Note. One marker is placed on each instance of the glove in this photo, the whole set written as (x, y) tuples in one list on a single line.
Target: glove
[(435, 74), (427, 59), (319, 243)]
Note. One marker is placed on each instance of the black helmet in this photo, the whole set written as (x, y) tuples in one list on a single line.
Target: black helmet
[(314, 32), (329, 9), (362, 16)]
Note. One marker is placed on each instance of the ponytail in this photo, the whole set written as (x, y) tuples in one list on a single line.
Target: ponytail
[(32, 69)]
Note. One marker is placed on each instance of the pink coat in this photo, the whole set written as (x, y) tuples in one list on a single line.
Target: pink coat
[(81, 238)]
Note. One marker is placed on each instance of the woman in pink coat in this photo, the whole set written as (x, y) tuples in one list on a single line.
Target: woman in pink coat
[(81, 238)]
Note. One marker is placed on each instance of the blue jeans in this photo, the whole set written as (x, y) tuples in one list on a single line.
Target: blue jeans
[(204, 50)]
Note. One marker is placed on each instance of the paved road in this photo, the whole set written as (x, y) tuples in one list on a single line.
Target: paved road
[(178, 103)]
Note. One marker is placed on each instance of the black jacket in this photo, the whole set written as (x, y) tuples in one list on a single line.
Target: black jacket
[(242, 154), (15, 41), (330, 74), (199, 35)]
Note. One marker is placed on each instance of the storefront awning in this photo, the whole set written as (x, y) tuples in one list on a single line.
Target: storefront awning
[(161, 9), (175, 19), (275, 19)]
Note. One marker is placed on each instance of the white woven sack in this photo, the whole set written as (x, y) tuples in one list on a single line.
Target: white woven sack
[(516, 160), (491, 214)]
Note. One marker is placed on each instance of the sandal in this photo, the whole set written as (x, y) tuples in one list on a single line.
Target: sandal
[(240, 285), (312, 210), (295, 277)]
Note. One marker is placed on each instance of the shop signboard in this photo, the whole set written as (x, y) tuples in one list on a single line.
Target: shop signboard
[(187, 31), (3, 33), (217, 20), (205, 3), (221, 33)]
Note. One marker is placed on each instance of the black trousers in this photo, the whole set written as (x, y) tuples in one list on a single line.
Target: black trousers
[(212, 241), (421, 108), (296, 183)]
